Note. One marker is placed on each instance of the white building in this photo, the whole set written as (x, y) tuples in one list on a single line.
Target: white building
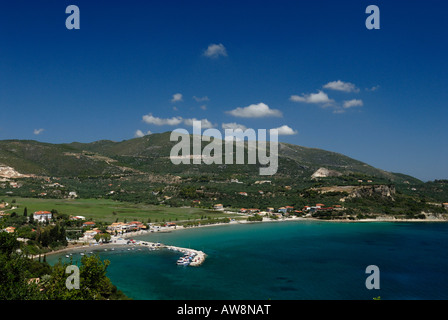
[(42, 216), (72, 194)]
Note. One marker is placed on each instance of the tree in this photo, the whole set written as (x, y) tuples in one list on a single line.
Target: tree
[(25, 212), (107, 237), (14, 271), (97, 237), (8, 244)]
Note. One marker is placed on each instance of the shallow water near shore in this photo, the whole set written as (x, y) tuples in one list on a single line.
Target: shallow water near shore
[(288, 260)]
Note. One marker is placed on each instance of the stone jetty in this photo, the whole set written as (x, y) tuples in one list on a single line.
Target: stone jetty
[(198, 256)]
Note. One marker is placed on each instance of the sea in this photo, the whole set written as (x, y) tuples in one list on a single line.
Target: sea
[(296, 260)]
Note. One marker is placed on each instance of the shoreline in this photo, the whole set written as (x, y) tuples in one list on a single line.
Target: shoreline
[(75, 247)]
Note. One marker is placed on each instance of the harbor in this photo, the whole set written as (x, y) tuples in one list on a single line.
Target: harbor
[(190, 257)]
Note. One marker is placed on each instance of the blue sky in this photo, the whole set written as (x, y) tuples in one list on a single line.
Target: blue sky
[(310, 67)]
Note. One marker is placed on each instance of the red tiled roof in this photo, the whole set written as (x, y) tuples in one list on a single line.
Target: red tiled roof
[(42, 212)]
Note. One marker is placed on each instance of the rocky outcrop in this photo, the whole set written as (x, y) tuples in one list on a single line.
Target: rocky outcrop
[(384, 191), (324, 172), (11, 173)]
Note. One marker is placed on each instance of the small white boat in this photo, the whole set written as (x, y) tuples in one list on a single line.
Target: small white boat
[(183, 262), (67, 256)]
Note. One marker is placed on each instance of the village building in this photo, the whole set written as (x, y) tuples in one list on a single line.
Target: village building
[(121, 227), (42, 216), (77, 218), (263, 181), (218, 206), (88, 224), (72, 194), (282, 210), (116, 226), (10, 229), (136, 226), (90, 234), (325, 209)]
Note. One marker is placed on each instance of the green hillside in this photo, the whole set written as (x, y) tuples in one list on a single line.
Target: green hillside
[(140, 171), (150, 154)]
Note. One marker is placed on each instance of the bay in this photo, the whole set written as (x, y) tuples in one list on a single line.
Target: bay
[(297, 260)]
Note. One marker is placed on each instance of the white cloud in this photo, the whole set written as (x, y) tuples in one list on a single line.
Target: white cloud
[(205, 124), (233, 125), (347, 104), (203, 107), (140, 133), (374, 88), (150, 119), (38, 131), (285, 131), (352, 103), (174, 121), (255, 111), (215, 50), (319, 98), (177, 97), (200, 99), (341, 86)]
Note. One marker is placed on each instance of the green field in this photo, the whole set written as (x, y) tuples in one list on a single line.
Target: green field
[(109, 211)]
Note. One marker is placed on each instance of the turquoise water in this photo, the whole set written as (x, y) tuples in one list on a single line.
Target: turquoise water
[(289, 260)]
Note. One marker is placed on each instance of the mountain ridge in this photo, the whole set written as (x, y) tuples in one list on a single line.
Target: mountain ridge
[(150, 154)]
